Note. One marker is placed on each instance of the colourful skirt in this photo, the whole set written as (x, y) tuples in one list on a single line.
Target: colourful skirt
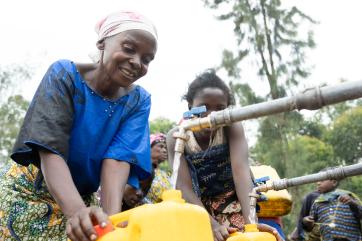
[(27, 210), (226, 209)]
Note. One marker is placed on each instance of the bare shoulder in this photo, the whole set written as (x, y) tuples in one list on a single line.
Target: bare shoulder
[(236, 130)]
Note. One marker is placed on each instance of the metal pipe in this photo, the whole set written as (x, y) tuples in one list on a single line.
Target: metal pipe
[(309, 99), (332, 174), (181, 138)]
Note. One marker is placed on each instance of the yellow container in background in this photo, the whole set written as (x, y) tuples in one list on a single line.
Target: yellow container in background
[(279, 203), (170, 220)]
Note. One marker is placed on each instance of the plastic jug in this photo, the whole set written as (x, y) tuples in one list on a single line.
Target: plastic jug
[(170, 220), (251, 234), (279, 203)]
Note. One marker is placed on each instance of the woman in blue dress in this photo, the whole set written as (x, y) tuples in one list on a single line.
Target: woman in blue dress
[(87, 126)]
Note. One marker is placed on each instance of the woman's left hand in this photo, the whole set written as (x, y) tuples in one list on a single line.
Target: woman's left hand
[(266, 228)]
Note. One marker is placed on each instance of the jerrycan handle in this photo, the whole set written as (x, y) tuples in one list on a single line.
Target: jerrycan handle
[(120, 217)]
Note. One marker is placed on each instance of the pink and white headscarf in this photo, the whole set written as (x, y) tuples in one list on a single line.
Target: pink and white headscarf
[(121, 21), (157, 138), (118, 22)]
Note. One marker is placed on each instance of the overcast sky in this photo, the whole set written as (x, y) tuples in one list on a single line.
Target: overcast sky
[(39, 32)]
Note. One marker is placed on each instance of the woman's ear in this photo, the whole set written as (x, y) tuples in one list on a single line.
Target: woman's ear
[(100, 44)]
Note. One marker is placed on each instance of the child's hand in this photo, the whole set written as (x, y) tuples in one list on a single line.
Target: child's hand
[(220, 232), (80, 225), (269, 229), (347, 199), (308, 222)]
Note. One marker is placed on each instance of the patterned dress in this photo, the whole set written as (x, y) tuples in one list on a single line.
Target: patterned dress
[(160, 183), (212, 179), (28, 211)]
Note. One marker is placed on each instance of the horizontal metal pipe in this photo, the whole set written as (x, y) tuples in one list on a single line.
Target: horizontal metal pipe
[(334, 174), (309, 99)]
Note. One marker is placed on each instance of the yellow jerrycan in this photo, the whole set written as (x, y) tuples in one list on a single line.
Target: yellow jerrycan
[(251, 234), (279, 203), (170, 220)]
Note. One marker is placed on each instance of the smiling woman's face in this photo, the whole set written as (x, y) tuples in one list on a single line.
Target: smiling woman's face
[(127, 55)]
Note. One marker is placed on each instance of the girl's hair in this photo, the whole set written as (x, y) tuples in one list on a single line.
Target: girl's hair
[(207, 79)]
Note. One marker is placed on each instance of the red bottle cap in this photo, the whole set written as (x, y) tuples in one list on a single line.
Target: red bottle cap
[(102, 231)]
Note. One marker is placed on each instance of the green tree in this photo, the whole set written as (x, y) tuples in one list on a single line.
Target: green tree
[(12, 106), (345, 136), (12, 113), (161, 125), (270, 35)]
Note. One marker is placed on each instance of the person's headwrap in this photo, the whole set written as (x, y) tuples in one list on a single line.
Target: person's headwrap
[(121, 21), (157, 138)]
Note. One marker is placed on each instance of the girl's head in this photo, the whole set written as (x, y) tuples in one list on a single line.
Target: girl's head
[(127, 43), (158, 148), (209, 90)]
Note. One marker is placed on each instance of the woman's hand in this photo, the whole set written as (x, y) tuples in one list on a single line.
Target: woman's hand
[(269, 229), (80, 226)]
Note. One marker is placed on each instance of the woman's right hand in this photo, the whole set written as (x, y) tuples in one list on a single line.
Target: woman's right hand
[(80, 225)]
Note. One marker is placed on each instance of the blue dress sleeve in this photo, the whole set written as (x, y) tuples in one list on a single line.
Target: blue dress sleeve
[(132, 144), (48, 121)]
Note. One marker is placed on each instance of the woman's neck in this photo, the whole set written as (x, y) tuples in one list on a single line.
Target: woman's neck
[(99, 82)]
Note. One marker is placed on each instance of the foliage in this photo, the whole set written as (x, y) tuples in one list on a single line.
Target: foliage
[(10, 79), (12, 113), (12, 107), (345, 136), (161, 125), (309, 155), (270, 35), (272, 143), (352, 184)]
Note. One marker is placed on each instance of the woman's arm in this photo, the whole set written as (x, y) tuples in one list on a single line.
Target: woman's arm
[(60, 183), (240, 167), (62, 188), (114, 176)]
